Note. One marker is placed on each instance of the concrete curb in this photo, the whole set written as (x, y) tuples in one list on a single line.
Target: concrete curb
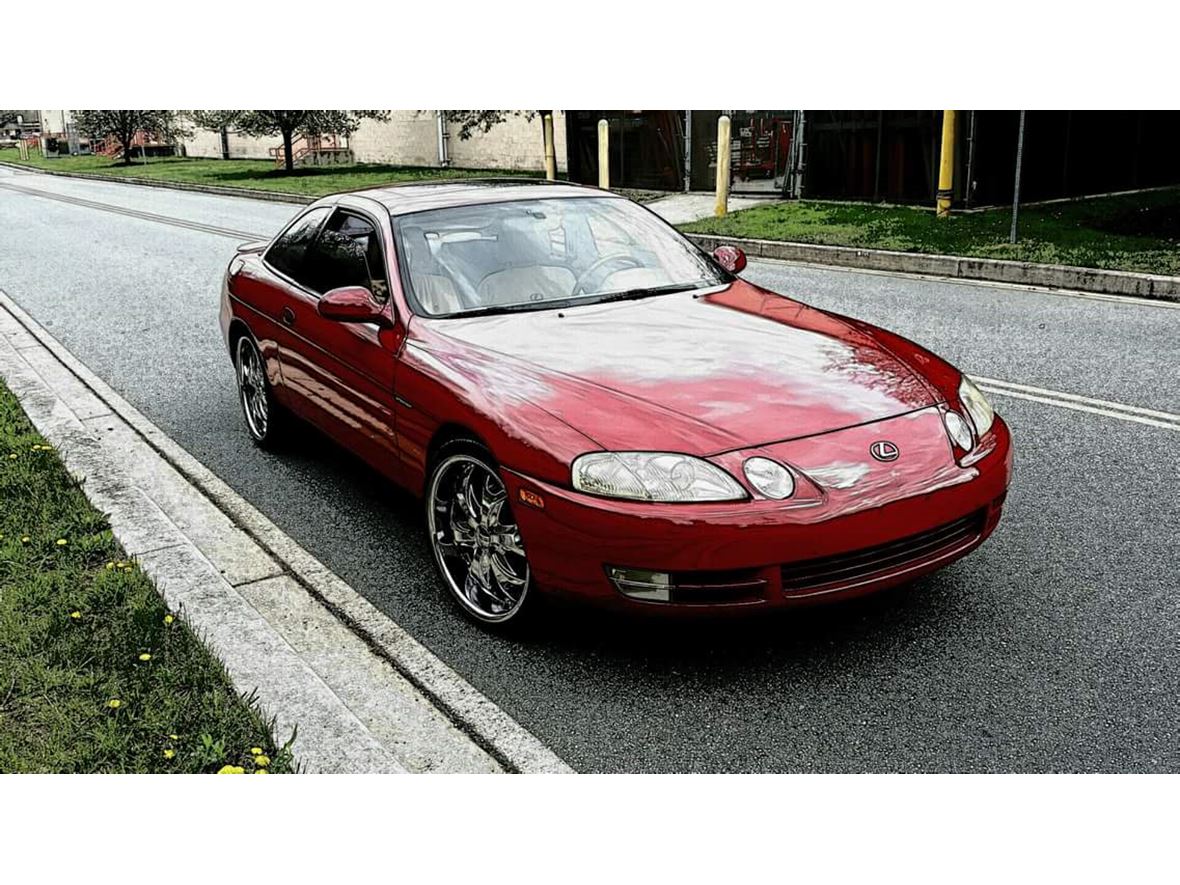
[(218, 190), (365, 695), (1022, 273)]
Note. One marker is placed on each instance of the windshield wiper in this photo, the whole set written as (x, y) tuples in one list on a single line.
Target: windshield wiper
[(558, 303), (519, 307), (633, 294)]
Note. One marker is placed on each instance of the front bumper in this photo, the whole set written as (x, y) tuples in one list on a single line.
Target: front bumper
[(871, 527)]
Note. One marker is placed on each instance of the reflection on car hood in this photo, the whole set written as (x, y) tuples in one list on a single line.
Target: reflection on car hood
[(731, 369)]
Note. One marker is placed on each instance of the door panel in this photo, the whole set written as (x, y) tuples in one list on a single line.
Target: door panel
[(343, 372)]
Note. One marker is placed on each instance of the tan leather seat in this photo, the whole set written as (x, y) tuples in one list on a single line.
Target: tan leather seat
[(437, 294)]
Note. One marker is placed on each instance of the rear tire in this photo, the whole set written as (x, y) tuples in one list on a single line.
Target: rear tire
[(265, 418), (475, 539)]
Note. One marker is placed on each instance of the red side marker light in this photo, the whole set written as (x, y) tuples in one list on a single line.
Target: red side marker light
[(532, 499)]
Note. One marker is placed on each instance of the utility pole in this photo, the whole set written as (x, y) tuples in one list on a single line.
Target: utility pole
[(946, 167), (1016, 184)]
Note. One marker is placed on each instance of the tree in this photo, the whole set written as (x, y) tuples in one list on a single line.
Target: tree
[(124, 124), (470, 122), (287, 124)]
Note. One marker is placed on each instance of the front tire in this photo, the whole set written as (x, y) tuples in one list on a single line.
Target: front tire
[(264, 417), (474, 537)]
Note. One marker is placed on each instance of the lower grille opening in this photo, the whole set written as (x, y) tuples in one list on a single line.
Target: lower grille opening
[(717, 587), (862, 566)]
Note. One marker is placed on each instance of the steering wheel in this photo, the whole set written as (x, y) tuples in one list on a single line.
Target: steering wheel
[(627, 261)]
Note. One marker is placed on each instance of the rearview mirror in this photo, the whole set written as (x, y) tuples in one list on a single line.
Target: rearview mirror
[(731, 258), (352, 304)]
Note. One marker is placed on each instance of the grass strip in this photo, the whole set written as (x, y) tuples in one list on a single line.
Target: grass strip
[(1131, 232), (308, 181), (96, 674)]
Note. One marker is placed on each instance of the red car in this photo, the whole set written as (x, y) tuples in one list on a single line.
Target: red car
[(590, 405)]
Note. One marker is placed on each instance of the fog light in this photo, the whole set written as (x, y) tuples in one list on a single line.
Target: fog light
[(959, 431), (640, 583)]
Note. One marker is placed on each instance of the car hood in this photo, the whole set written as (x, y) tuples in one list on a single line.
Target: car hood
[(731, 369)]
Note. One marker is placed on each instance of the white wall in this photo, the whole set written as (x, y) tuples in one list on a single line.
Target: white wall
[(410, 138)]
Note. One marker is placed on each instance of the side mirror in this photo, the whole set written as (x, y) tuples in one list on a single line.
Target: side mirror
[(352, 304), (731, 258)]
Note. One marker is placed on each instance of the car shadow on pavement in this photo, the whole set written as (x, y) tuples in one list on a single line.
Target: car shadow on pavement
[(371, 505), (803, 633)]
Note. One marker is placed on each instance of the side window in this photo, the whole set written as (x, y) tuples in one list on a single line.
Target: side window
[(287, 253), (348, 252)]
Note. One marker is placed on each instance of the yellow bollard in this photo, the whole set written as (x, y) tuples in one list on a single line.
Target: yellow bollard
[(550, 151), (604, 154), (723, 145), (946, 167)]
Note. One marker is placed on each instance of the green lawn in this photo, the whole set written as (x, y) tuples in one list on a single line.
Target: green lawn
[(1139, 232), (310, 181), (96, 675)]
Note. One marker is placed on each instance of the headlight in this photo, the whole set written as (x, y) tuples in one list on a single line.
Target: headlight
[(977, 406), (770, 478), (653, 476)]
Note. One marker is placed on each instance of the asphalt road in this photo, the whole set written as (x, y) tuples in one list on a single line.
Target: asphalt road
[(1054, 647)]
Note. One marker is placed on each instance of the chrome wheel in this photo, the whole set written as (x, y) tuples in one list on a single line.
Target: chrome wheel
[(475, 538), (252, 388)]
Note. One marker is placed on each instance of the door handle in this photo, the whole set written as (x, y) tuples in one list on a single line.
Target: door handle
[(288, 317)]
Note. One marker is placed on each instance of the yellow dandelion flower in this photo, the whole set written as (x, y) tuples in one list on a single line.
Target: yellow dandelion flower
[(75, 615), (261, 761), (114, 703), (120, 564), (145, 657), (110, 565), (169, 753), (173, 737), (262, 771), (168, 619), (61, 542), (24, 539), (256, 751), (231, 769)]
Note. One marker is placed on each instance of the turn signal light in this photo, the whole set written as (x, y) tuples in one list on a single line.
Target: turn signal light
[(532, 499)]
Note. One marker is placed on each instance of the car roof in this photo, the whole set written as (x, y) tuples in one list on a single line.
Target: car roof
[(403, 199)]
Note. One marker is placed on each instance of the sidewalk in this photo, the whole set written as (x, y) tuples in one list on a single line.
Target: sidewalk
[(364, 696), (683, 208)]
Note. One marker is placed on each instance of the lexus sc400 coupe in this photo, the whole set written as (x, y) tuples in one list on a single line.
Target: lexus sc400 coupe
[(590, 405)]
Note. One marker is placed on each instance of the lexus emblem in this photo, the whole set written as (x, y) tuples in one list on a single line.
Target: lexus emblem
[(883, 450)]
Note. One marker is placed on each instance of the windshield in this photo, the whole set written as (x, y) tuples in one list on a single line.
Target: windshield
[(539, 254)]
